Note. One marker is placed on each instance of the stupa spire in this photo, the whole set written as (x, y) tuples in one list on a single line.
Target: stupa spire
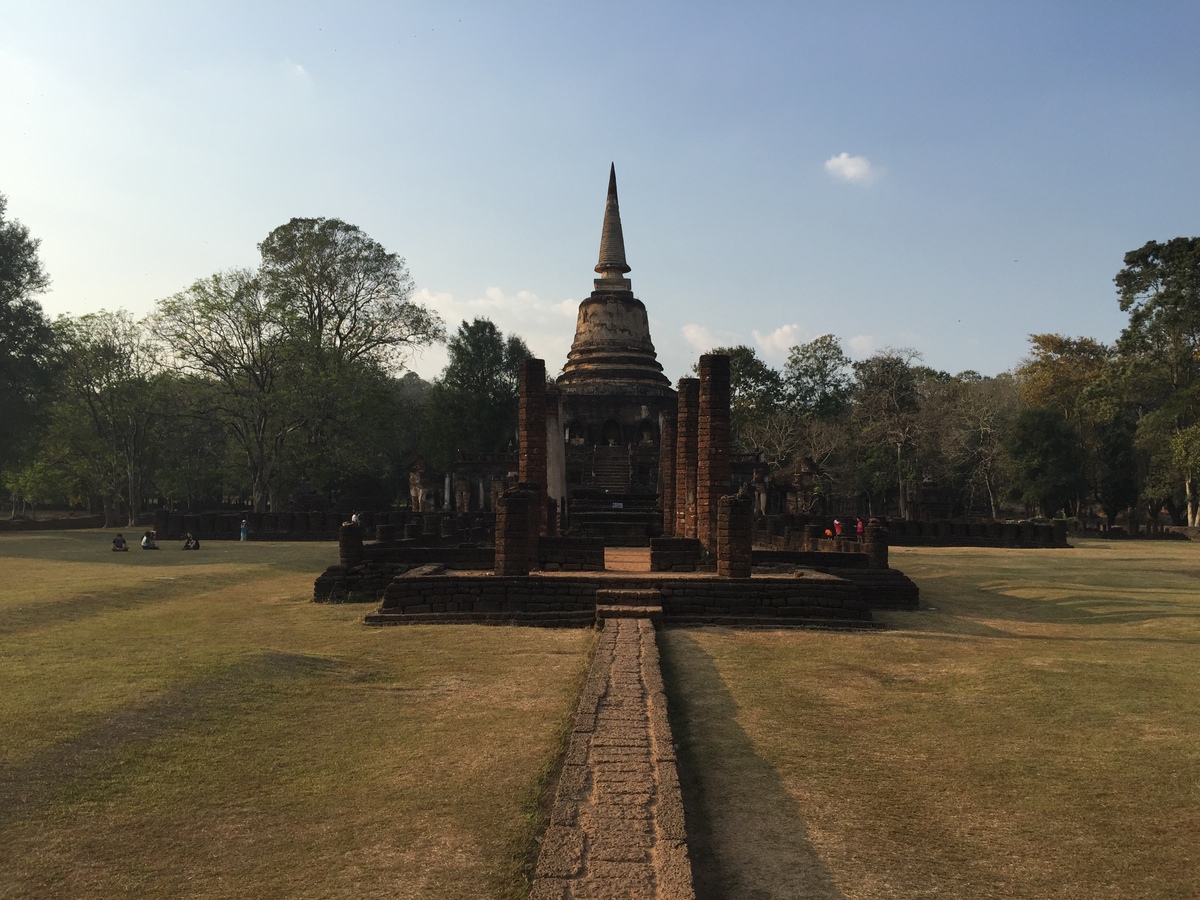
[(612, 266)]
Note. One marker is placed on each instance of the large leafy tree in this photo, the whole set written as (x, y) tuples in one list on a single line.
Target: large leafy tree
[(756, 395), (226, 331), (887, 402), (27, 341), (472, 406), (1047, 460), (1159, 287), (338, 290), (113, 381), (817, 378)]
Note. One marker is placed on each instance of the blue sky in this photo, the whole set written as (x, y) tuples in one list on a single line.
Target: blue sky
[(949, 177)]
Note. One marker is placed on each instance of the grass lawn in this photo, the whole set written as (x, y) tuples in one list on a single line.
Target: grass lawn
[(1033, 731), (190, 725)]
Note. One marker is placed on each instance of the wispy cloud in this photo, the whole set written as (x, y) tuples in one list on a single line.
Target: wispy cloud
[(855, 169), (780, 341), (703, 338), (862, 345), (294, 70)]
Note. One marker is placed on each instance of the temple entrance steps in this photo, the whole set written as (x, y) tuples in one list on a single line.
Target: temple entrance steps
[(610, 470), (628, 604)]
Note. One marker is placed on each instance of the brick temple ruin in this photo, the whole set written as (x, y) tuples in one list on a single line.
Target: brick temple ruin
[(626, 513)]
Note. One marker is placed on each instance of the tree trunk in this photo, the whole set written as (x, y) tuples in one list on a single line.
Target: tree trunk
[(1193, 502)]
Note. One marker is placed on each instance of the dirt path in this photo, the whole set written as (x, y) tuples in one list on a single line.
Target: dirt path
[(616, 830)]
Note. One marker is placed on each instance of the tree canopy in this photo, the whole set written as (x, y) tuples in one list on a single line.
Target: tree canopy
[(27, 351)]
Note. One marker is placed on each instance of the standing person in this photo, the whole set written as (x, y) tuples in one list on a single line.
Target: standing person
[(355, 519), (245, 531), (858, 529), (837, 527)]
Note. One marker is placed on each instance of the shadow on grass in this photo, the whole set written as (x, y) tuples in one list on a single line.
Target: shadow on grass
[(89, 763), (746, 834), (77, 607)]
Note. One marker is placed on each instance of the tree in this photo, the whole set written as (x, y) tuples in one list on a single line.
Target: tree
[(472, 406), (341, 292), (225, 329), (1047, 460), (111, 375), (27, 348), (817, 378), (886, 406), (1160, 350), (755, 393)]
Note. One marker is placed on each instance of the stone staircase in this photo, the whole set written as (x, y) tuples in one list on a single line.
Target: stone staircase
[(609, 470), (614, 603)]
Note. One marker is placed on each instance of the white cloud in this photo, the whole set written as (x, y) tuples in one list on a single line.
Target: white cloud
[(779, 341), (700, 337), (295, 70), (855, 169), (862, 345)]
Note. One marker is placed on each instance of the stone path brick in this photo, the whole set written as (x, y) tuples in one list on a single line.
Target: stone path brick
[(616, 829)]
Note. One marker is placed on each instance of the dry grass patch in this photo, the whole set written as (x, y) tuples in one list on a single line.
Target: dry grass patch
[(1033, 732), (191, 725)]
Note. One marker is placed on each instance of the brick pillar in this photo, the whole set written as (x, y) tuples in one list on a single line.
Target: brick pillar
[(685, 457), (666, 475), (712, 445), (537, 509), (875, 544), (531, 434), (350, 548), (512, 533), (735, 519)]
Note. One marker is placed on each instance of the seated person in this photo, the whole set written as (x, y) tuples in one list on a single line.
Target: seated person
[(191, 543), (119, 544), (148, 541)]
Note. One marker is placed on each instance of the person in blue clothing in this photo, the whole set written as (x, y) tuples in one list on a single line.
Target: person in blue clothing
[(245, 532)]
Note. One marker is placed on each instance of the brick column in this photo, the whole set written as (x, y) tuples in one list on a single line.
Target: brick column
[(350, 544), (666, 475), (512, 533), (685, 457), (712, 445), (735, 518), (875, 544), (531, 433)]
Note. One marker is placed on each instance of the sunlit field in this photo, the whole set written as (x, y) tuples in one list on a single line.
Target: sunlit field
[(1033, 731), (190, 725)]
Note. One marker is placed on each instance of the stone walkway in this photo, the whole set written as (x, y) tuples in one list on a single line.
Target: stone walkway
[(616, 829)]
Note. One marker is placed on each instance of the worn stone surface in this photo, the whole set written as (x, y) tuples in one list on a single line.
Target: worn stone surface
[(617, 823)]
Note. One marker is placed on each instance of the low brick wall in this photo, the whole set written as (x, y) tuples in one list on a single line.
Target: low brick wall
[(814, 559), (363, 583), (677, 555), (882, 588), (570, 554), (814, 598)]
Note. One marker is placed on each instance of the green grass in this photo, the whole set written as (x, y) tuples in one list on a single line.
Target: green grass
[(1033, 732), (190, 724)]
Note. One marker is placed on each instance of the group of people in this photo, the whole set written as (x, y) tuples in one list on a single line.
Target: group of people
[(839, 528), (120, 545)]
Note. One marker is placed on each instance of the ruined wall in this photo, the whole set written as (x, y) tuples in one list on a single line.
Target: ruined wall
[(686, 425), (712, 446)]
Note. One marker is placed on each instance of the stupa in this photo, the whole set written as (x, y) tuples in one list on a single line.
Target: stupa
[(612, 397)]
